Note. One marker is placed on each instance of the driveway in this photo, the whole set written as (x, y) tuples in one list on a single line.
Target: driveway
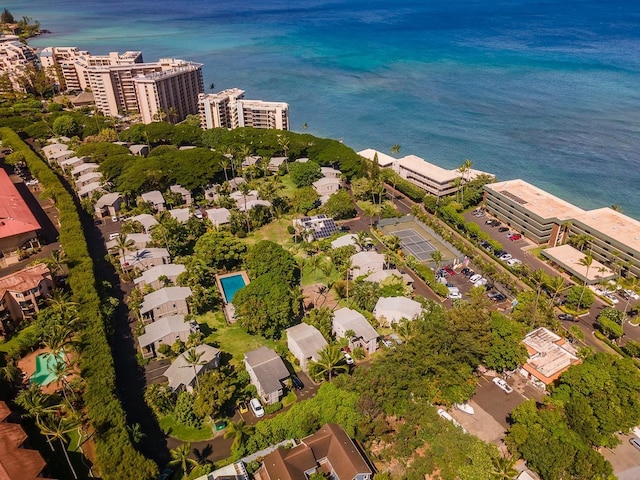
[(625, 459), (499, 404)]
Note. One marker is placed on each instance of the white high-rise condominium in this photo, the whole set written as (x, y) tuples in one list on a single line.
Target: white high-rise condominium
[(229, 109)]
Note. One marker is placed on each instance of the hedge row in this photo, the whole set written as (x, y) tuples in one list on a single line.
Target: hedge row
[(116, 456)]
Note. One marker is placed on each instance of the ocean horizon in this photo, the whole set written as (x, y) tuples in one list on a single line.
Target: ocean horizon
[(544, 91)]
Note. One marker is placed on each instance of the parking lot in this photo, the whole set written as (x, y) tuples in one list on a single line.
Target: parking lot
[(625, 459), (464, 285)]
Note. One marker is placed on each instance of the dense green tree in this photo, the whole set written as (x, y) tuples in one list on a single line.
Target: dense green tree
[(321, 318), (304, 199), (266, 306), (66, 125), (160, 398), (579, 297), (220, 250), (6, 17), (601, 397), (330, 363), (269, 257), (240, 432), (506, 351), (184, 411), (180, 458), (215, 390), (340, 206), (304, 174)]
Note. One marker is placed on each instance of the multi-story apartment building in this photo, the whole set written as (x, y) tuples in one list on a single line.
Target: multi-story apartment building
[(614, 238), (15, 57), (172, 92), (229, 109), (147, 87), (67, 66), (22, 294)]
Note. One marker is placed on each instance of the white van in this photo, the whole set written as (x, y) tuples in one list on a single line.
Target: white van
[(256, 407), (113, 236)]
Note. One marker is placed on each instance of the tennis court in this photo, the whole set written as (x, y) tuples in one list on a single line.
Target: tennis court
[(415, 244)]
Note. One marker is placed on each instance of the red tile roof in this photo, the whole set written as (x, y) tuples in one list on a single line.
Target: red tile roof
[(24, 279), (15, 216), (17, 463)]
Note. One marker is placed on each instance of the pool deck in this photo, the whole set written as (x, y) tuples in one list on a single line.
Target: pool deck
[(28, 367), (227, 307)]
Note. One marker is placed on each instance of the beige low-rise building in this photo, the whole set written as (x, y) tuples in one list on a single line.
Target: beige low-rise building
[(614, 238), (108, 205), (144, 259), (327, 185), (364, 335), (305, 342), (267, 372), (183, 376), (164, 331), (22, 295), (165, 302), (159, 276)]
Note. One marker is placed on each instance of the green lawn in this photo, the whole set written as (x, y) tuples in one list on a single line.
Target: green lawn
[(15, 340), (311, 276), (232, 339), (275, 231), (182, 432)]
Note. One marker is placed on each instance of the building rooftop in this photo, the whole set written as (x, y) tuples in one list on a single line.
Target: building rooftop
[(140, 239), (429, 170), (536, 200), (384, 160), (384, 274), (15, 215), (320, 226), (614, 224), (569, 258), (89, 188), (24, 279), (180, 214), (89, 176), (326, 171), (345, 241), (154, 273), (396, 308), (268, 368), (350, 319), (154, 197), (218, 216), (362, 259), (162, 296), (549, 355), (84, 167), (108, 199), (179, 188), (327, 181), (309, 340), (161, 328), (180, 372), (147, 221), (131, 258)]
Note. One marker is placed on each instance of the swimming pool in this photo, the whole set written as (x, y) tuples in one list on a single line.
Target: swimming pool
[(45, 368), (230, 285)]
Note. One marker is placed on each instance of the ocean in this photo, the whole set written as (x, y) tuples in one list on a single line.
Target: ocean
[(547, 91)]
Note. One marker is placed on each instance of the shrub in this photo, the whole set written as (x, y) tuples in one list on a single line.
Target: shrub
[(269, 409)]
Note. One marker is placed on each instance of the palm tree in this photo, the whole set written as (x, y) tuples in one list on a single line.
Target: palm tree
[(56, 262), (331, 361), (180, 456), (585, 261), (539, 278), (60, 370), (56, 339), (240, 431), (225, 163), (194, 359), (11, 373), (346, 269), (395, 148), (173, 114), (436, 256), (502, 468), (35, 403), (136, 433), (404, 328), (122, 245), (56, 427), (556, 284), (393, 242), (362, 240)]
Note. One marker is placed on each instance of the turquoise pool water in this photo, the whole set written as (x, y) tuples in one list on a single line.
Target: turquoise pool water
[(230, 286), (45, 367)]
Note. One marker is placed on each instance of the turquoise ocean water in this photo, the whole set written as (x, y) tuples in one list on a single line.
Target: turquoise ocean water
[(548, 91)]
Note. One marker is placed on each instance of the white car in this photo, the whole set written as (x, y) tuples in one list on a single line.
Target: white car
[(633, 294), (475, 278), (256, 407), (387, 343), (612, 298), (505, 257), (114, 219), (502, 385), (455, 295), (512, 262), (481, 282), (348, 358)]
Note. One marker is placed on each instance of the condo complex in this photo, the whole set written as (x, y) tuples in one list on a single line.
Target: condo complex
[(546, 220)]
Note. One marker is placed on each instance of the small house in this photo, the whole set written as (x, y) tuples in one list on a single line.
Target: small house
[(267, 372)]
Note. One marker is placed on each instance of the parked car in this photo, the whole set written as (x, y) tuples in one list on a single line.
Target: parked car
[(297, 383), (475, 278), (499, 298), (612, 298), (512, 262), (515, 236), (503, 229), (455, 295), (348, 358), (387, 343), (256, 407), (114, 219), (635, 441), (465, 270), (567, 317), (481, 282), (505, 257), (488, 221), (449, 270), (502, 385), (633, 294), (242, 407)]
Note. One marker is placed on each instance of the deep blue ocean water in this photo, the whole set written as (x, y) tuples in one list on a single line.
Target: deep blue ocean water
[(548, 91)]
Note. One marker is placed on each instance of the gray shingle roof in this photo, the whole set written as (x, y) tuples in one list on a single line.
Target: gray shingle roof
[(181, 373), (396, 308), (154, 197), (268, 367), (309, 340), (162, 327), (108, 199), (162, 296), (349, 319), (168, 270)]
